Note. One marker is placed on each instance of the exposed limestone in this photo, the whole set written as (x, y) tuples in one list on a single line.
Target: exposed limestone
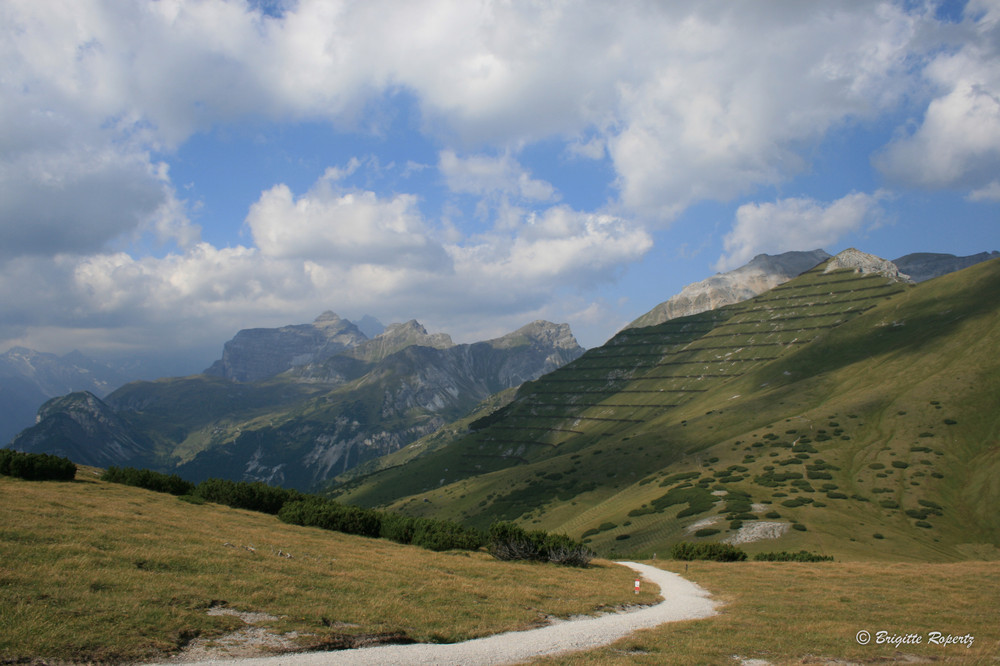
[(764, 272), (862, 262), (258, 353)]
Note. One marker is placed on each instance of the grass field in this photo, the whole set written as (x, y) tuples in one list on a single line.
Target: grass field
[(795, 613), (97, 572)]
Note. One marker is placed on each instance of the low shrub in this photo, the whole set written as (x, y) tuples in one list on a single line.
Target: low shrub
[(706, 531), (445, 535), (717, 552), (36, 466), (784, 556), (508, 541), (253, 496), (329, 515), (148, 479)]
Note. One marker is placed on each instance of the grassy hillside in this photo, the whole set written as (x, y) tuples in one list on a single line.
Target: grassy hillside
[(844, 412), (97, 572)]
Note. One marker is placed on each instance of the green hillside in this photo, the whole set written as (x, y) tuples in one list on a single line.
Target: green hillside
[(854, 414)]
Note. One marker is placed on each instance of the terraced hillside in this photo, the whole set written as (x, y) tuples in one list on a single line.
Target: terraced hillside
[(836, 396)]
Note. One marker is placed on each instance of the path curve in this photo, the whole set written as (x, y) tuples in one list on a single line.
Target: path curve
[(682, 600)]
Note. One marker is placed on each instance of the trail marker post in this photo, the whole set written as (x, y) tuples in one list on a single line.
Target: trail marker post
[(637, 586)]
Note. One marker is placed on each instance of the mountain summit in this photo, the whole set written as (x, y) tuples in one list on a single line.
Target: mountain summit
[(763, 272), (258, 353)]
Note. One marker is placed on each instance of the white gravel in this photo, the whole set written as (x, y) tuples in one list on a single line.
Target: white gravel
[(682, 600)]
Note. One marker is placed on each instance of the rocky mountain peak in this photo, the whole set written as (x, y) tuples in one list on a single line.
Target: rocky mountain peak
[(540, 332), (862, 262), (399, 336), (258, 353), (760, 274), (327, 318)]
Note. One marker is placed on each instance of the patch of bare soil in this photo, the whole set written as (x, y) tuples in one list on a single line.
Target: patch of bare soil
[(254, 641)]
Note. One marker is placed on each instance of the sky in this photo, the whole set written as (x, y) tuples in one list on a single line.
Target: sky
[(173, 171)]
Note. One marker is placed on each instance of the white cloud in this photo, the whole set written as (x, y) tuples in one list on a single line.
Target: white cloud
[(989, 193), (485, 176), (353, 226), (733, 95), (687, 102), (795, 224), (957, 144), (328, 248)]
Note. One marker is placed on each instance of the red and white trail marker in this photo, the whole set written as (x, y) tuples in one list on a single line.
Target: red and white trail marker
[(637, 586)]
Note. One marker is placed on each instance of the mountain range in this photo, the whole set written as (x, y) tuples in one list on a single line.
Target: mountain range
[(296, 405)]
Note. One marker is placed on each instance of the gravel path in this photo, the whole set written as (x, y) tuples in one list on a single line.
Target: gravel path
[(683, 600)]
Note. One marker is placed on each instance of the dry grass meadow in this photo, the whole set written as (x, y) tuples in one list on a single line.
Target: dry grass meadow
[(798, 613), (97, 572)]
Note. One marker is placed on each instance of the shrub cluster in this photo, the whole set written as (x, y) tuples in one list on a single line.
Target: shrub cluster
[(36, 466), (784, 556), (508, 541), (718, 552), (148, 479), (253, 496), (297, 508), (437, 535)]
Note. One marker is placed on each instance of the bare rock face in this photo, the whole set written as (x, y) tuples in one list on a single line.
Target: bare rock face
[(400, 336), (922, 266), (862, 262), (762, 273), (258, 353)]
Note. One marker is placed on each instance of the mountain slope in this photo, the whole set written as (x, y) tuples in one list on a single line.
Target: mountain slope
[(922, 266), (846, 403), (408, 394), (28, 378), (80, 426)]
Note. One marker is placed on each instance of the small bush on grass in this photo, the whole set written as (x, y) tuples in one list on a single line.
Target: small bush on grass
[(509, 541), (717, 552), (252, 496), (445, 535), (36, 466), (319, 512), (148, 479), (784, 556)]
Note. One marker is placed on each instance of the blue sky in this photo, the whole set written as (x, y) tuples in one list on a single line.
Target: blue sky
[(173, 171)]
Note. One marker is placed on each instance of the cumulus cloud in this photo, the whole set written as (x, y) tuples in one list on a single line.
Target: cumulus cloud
[(957, 143), (328, 224), (795, 224), (483, 175), (685, 102)]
